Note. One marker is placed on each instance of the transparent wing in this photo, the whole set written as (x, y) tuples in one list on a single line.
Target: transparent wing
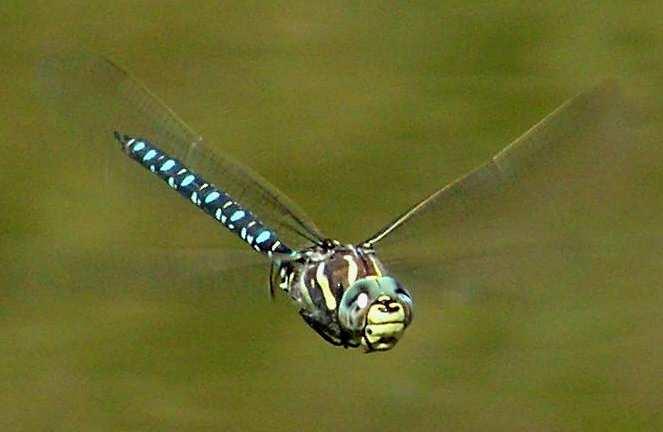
[(183, 273), (107, 99), (559, 180)]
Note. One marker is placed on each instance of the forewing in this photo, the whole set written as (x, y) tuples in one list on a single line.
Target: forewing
[(561, 179), (106, 99)]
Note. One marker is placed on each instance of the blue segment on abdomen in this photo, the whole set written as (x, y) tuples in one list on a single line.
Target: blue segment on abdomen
[(211, 199)]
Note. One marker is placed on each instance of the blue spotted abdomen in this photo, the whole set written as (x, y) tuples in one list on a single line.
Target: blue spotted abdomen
[(208, 197)]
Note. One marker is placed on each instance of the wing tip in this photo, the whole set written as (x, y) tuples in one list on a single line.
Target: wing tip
[(606, 90)]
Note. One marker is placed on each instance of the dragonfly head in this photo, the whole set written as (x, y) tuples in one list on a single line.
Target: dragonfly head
[(376, 311)]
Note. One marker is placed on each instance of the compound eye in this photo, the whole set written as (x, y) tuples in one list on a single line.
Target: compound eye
[(404, 295), (362, 300)]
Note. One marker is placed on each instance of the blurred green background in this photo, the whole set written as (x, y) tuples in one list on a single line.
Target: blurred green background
[(96, 335)]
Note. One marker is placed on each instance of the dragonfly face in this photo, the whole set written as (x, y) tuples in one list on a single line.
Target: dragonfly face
[(376, 311)]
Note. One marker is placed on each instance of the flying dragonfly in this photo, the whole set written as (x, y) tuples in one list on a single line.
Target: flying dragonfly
[(351, 294)]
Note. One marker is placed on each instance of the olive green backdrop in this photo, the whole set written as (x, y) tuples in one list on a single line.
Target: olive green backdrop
[(355, 110)]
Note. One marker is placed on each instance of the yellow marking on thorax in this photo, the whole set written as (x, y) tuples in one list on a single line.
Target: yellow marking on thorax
[(376, 267), (304, 291), (322, 280), (352, 269)]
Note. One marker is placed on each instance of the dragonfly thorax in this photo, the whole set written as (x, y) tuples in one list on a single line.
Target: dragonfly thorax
[(345, 294)]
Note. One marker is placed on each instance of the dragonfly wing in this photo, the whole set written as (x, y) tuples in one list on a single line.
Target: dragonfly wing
[(96, 91), (546, 184)]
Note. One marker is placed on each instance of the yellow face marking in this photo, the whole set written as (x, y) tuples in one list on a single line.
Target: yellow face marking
[(322, 280), (352, 270), (376, 332), (378, 314)]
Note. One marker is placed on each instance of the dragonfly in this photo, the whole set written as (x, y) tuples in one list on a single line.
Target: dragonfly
[(351, 294)]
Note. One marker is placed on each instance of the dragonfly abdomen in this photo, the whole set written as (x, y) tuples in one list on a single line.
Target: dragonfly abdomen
[(211, 199)]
